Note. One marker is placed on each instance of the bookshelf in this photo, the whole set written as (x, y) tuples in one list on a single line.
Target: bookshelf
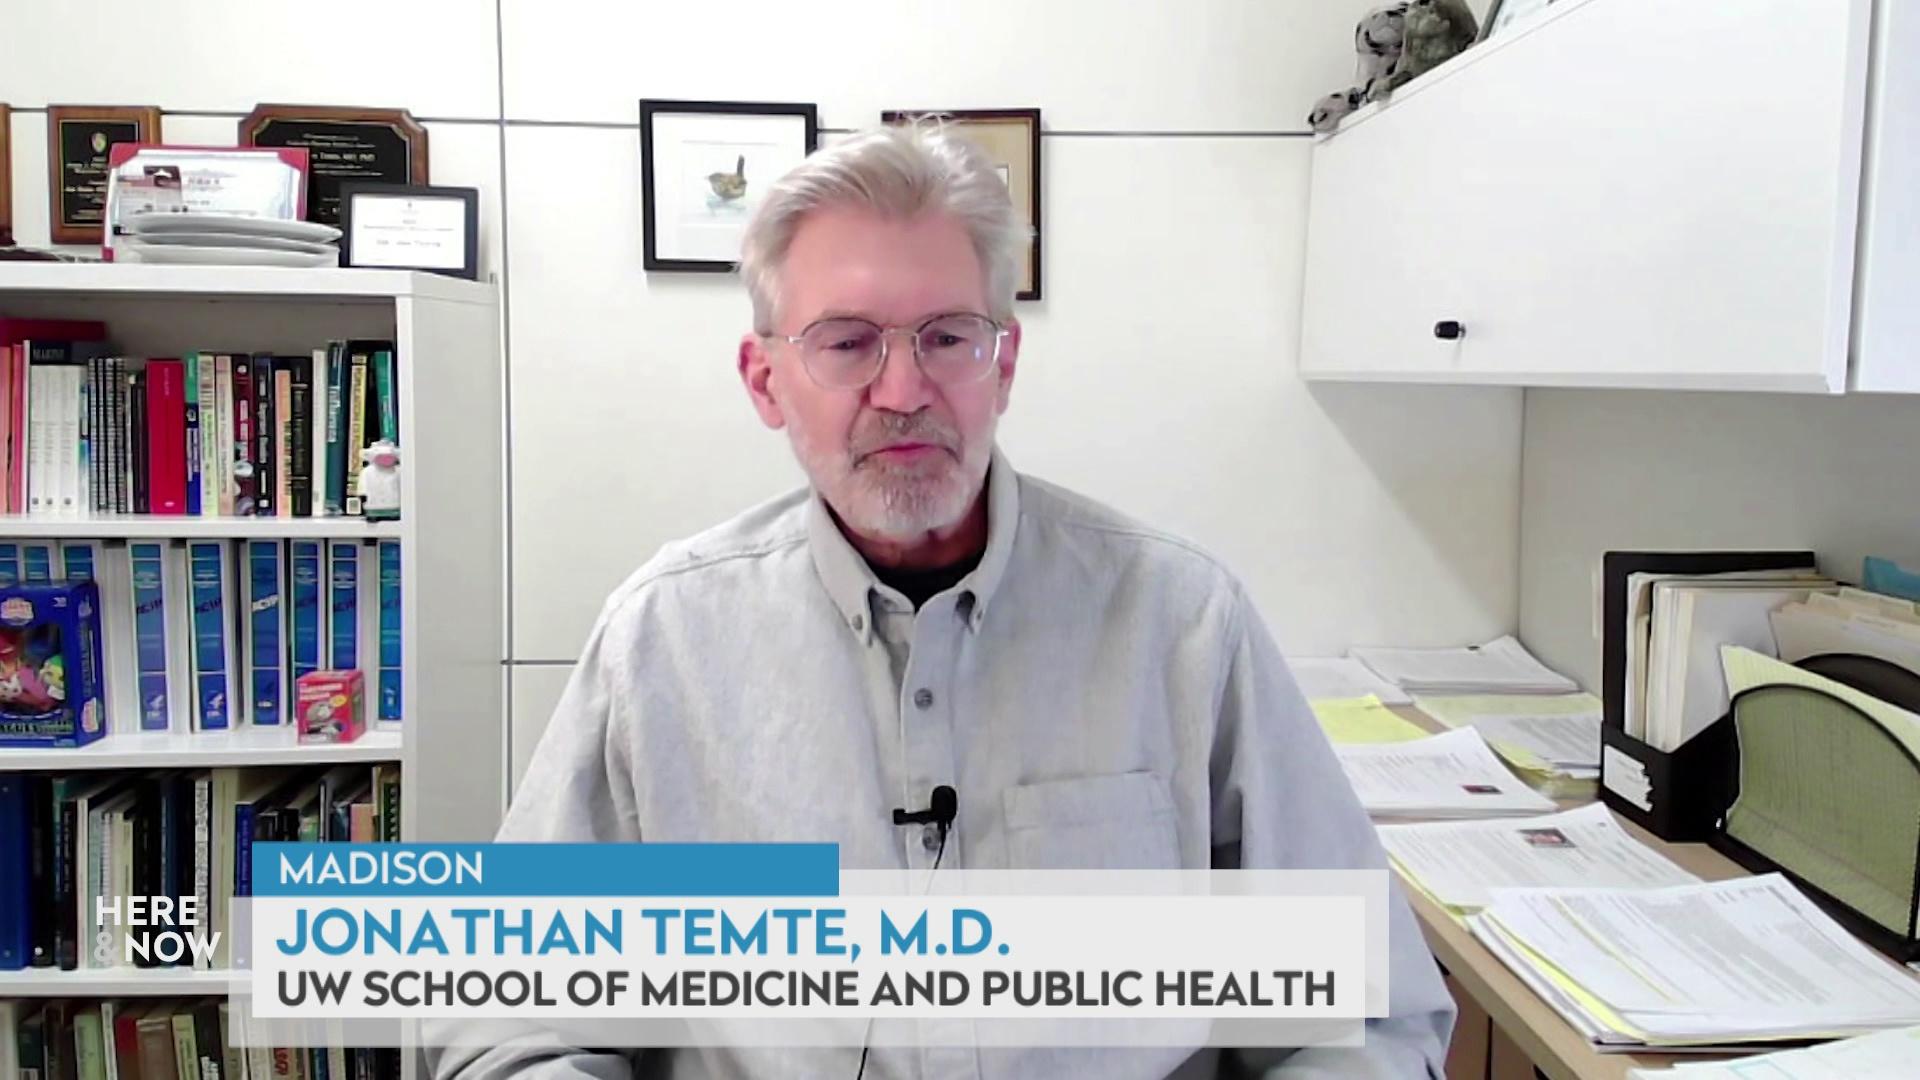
[(450, 743)]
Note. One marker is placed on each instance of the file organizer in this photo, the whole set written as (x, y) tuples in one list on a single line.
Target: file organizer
[(1825, 794), (1686, 790)]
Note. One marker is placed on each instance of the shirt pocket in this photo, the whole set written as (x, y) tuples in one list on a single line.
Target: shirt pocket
[(1120, 821)]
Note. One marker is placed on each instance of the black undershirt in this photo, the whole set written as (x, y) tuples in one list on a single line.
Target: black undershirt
[(920, 586)]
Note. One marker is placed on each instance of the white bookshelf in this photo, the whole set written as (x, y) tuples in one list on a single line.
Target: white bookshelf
[(117, 982), (450, 744)]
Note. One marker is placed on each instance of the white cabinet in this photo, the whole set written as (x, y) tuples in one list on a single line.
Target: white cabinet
[(1628, 193)]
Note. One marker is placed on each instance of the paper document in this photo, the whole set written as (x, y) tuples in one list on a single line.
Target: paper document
[(1747, 669), (1453, 775), (1886, 1055), (1365, 720), (1826, 624), (1501, 666), (1459, 863), (1557, 733), (1342, 678), (1749, 958)]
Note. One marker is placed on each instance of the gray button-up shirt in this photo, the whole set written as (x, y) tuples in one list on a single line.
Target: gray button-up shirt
[(1101, 695)]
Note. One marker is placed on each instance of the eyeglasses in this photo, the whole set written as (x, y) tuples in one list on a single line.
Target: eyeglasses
[(850, 353)]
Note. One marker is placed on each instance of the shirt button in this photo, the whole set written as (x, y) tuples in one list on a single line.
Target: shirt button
[(923, 698), (930, 837), (858, 623)]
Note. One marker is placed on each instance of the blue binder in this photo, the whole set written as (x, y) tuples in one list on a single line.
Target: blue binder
[(264, 631), (343, 606), (207, 570), (307, 588), (148, 560), (389, 630)]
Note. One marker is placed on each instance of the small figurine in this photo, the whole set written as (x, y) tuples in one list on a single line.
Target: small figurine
[(380, 481)]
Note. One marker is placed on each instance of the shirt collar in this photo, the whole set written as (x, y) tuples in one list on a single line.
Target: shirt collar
[(851, 583)]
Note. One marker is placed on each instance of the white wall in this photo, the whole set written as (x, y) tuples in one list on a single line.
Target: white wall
[(1617, 470), (1157, 373)]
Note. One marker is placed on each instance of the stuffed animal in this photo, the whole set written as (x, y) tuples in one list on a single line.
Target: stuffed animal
[(1377, 41), (1432, 33)]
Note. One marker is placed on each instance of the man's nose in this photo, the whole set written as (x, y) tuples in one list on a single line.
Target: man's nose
[(901, 386)]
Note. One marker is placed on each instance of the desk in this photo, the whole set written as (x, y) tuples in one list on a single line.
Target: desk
[(1555, 1047)]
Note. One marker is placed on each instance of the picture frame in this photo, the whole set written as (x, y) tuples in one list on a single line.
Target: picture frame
[(6, 175), (79, 138), (703, 166), (410, 227), (344, 144), (1012, 138), (1502, 14)]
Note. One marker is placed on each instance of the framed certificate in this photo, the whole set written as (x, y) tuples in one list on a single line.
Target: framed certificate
[(343, 145), (410, 227)]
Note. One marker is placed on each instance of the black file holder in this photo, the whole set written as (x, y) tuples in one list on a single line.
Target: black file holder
[(1684, 786)]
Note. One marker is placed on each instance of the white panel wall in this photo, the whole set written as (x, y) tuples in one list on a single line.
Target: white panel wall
[(1158, 373), (1622, 470)]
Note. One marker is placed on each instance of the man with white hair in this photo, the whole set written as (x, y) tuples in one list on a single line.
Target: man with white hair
[(1099, 694)]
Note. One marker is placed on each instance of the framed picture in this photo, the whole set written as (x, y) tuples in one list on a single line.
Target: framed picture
[(1011, 137), (410, 227), (704, 166), (1504, 13), (78, 139), (343, 144)]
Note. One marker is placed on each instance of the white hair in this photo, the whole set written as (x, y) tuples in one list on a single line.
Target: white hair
[(900, 172)]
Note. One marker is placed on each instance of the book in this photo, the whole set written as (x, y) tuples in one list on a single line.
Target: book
[(307, 584), (386, 387), (300, 428), (207, 375), (166, 437), (139, 479), (283, 436), (223, 434), (265, 633), (190, 389), (335, 473), (36, 562), (246, 491), (149, 573), (389, 692), (266, 482), (344, 586), (355, 409), (214, 668), (16, 879)]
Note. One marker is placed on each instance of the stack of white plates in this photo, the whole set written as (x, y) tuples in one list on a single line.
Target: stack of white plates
[(227, 240)]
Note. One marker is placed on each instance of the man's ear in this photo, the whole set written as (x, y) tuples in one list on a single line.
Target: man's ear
[(1008, 362), (756, 374)]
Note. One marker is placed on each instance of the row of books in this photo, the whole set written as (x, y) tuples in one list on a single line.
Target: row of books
[(209, 635), (161, 1040), (67, 839), (88, 430)]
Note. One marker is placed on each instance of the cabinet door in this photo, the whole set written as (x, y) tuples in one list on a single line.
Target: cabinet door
[(1644, 194)]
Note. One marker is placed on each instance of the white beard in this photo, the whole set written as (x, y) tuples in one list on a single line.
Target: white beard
[(898, 503)]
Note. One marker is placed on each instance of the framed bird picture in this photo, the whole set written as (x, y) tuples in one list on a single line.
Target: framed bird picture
[(704, 166)]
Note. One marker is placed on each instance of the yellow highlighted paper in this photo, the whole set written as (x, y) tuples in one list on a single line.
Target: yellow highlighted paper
[(1365, 720)]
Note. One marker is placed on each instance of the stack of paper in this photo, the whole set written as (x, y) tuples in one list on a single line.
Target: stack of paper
[(1447, 776), (1887, 1055), (1342, 678), (1460, 863), (1553, 740), (1730, 963), (1676, 624), (1502, 666), (1364, 720), (1852, 621)]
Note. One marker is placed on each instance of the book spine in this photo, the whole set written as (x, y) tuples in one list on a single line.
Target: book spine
[(343, 614), (137, 438), (207, 568), (300, 438), (264, 615), (307, 587), (208, 397), (38, 439), (190, 391), (186, 1049), (387, 394), (246, 489), (266, 483), (337, 465), (390, 635), (283, 439), (66, 955), (16, 875), (166, 437), (203, 858), (150, 632), (17, 405), (96, 434), (223, 442), (356, 420), (36, 562), (83, 442)]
